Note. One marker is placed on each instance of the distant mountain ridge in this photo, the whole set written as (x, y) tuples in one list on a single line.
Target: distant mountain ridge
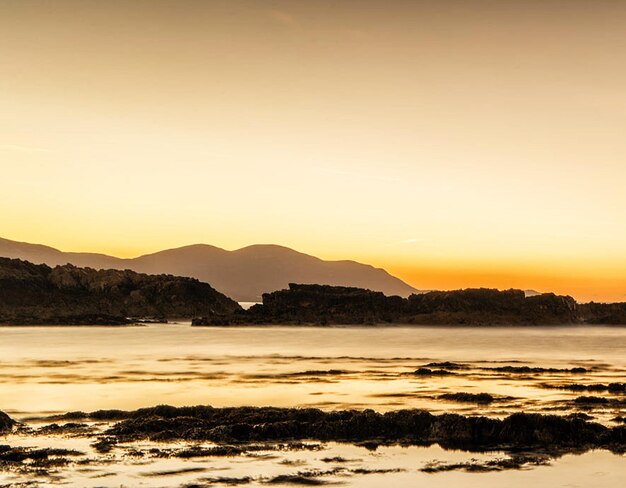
[(244, 274)]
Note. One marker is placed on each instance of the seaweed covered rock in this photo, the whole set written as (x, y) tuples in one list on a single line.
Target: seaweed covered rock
[(251, 424), (468, 397)]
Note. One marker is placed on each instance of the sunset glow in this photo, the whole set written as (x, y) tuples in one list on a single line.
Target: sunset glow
[(455, 144)]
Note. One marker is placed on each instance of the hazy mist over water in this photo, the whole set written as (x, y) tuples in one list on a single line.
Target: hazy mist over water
[(86, 368)]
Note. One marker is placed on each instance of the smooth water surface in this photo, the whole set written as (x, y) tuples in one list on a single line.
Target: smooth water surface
[(58, 369), (48, 370)]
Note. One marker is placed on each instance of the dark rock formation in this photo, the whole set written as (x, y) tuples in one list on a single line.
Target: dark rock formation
[(322, 304), (591, 400), (484, 306), (446, 365), (604, 313), (431, 372), (255, 424), (468, 397), (328, 305), (515, 461), (31, 294), (611, 387), (530, 370), (6, 423), (20, 454)]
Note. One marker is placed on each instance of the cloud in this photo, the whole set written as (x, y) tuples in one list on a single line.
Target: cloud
[(282, 17), (411, 240), (26, 149), (365, 176)]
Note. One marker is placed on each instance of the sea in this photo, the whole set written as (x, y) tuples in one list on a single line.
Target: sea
[(49, 370)]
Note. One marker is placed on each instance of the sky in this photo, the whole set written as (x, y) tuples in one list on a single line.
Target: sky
[(454, 143)]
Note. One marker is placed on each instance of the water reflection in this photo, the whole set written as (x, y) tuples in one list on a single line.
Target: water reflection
[(44, 371)]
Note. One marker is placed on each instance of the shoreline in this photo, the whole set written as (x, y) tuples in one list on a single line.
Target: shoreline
[(173, 323)]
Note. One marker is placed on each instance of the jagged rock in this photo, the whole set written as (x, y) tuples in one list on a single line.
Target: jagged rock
[(6, 423)]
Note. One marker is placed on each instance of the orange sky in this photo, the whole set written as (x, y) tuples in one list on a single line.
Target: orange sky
[(455, 143)]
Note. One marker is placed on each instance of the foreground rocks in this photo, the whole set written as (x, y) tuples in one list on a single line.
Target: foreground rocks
[(254, 424), (38, 294), (158, 438)]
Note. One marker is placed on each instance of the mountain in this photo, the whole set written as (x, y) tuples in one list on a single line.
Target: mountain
[(244, 274), (38, 294)]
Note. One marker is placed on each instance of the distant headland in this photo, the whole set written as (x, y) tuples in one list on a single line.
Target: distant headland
[(68, 295), (38, 294), (336, 305)]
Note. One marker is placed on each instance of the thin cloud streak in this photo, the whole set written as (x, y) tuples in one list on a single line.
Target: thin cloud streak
[(282, 17), (354, 174), (27, 149), (412, 240)]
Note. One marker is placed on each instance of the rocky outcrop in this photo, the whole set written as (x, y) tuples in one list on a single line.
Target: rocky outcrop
[(482, 306), (323, 304), (326, 305), (33, 294), (604, 313)]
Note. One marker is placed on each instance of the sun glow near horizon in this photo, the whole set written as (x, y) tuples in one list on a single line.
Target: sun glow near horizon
[(455, 144)]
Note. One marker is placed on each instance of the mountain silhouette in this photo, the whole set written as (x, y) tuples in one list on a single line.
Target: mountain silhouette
[(244, 274)]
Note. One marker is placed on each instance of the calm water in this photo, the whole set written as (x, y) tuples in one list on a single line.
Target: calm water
[(46, 370)]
